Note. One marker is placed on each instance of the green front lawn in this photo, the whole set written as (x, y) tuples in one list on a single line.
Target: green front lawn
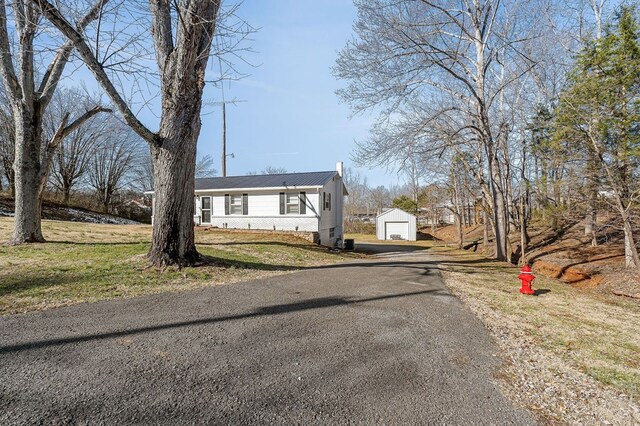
[(88, 262)]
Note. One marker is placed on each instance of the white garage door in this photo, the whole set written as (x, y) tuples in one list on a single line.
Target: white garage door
[(396, 230)]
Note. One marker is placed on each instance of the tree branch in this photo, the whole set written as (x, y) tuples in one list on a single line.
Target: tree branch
[(64, 129), (26, 17), (56, 18), (162, 33), (56, 67), (6, 62)]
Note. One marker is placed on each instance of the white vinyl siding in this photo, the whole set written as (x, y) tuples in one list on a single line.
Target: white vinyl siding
[(267, 203), (262, 210)]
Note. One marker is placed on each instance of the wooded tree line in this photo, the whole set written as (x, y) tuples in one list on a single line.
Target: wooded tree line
[(52, 137), (526, 108), (365, 200), (433, 203), (99, 158)]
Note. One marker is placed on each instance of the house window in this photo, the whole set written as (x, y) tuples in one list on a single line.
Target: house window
[(326, 201), (235, 204), (293, 204), (205, 209), (332, 232)]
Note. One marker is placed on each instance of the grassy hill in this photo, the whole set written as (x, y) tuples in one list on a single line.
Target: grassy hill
[(565, 253)]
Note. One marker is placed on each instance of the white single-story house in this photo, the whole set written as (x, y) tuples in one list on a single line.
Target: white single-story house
[(396, 224), (309, 202)]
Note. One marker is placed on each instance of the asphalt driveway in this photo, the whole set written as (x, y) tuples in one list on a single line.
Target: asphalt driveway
[(377, 342)]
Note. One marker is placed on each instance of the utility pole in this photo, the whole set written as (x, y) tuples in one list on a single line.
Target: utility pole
[(224, 123), (223, 104), (224, 139)]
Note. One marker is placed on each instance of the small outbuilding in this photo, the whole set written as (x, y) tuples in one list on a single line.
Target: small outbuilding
[(396, 224)]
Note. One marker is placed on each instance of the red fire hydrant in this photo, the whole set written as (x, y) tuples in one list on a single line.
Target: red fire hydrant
[(526, 277)]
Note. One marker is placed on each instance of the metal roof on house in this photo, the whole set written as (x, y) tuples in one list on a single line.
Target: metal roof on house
[(265, 181)]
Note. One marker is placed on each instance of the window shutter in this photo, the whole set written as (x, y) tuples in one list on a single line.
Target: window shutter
[(282, 203), (226, 204), (303, 203), (245, 204), (324, 201)]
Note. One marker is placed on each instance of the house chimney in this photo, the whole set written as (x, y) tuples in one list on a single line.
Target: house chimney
[(340, 168)]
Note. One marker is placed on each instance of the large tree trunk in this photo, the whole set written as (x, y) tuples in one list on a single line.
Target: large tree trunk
[(27, 168), (498, 207), (173, 234), (543, 189), (182, 65), (593, 186), (590, 227), (485, 230), (496, 199), (631, 258), (66, 193), (524, 235), (524, 207), (457, 211), (105, 200), (174, 166), (459, 229)]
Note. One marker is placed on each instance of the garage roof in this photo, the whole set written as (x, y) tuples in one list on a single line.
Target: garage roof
[(396, 212)]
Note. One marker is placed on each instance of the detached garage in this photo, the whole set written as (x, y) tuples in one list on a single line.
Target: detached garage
[(396, 224)]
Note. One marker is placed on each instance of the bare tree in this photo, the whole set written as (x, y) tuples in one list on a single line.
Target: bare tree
[(409, 55), (358, 201), (28, 102), (380, 198), (204, 167), (112, 162), (433, 198), (270, 170), (183, 33), (7, 144), (72, 156), (144, 172), (7, 150)]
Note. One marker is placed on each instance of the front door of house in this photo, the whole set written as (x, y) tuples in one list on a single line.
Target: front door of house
[(205, 209)]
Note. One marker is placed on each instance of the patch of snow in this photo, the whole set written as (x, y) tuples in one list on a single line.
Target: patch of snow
[(74, 215), (91, 217), (6, 212)]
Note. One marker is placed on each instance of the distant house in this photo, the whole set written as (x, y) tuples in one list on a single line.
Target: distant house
[(396, 224), (310, 202)]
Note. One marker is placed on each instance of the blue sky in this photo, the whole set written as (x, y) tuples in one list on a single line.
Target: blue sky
[(292, 117)]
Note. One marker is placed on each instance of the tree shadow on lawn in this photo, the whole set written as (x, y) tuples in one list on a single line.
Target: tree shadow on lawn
[(99, 243), (426, 266), (304, 305), (23, 282), (387, 248), (212, 261), (309, 247)]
